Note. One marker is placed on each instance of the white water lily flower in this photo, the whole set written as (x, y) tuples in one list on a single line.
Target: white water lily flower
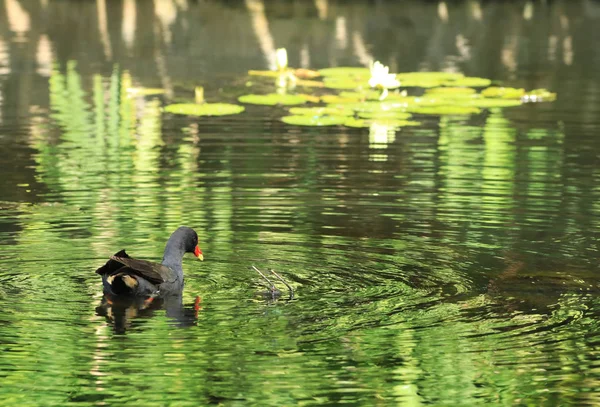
[(382, 78), (281, 59)]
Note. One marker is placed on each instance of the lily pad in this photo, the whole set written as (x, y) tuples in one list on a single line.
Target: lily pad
[(502, 92), (309, 84), (272, 99), (490, 103), (315, 121), (339, 99), (398, 93), (357, 97), (451, 91), (369, 94), (310, 98), (441, 100), (417, 82), (469, 81), (365, 123), (426, 79), (372, 106), (445, 110), (539, 95), (268, 74), (306, 73), (340, 82), (444, 99), (364, 73), (204, 109), (385, 115), (321, 111), (430, 76)]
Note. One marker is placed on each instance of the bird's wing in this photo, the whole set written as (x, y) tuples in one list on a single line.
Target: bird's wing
[(153, 272), (113, 265)]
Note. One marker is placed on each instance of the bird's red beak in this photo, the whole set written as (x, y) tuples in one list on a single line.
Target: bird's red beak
[(198, 253)]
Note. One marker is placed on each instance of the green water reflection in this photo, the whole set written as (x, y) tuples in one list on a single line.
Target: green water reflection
[(449, 264), (390, 306)]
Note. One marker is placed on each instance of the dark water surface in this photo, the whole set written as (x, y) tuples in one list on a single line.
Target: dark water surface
[(454, 263)]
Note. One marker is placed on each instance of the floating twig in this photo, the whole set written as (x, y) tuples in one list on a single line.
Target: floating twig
[(289, 287), (271, 286)]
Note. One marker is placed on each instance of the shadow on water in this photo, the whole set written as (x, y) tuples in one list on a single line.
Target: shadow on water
[(452, 263)]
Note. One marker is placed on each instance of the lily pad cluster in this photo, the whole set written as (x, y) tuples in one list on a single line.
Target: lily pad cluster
[(362, 97), (353, 78), (346, 98)]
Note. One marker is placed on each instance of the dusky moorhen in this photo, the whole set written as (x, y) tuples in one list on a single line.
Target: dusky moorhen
[(123, 276)]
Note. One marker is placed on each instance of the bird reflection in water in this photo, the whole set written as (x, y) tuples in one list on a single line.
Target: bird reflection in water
[(120, 312)]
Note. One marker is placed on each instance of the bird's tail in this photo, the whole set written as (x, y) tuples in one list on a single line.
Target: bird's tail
[(122, 283)]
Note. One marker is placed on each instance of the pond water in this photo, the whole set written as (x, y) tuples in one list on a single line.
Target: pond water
[(454, 263)]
